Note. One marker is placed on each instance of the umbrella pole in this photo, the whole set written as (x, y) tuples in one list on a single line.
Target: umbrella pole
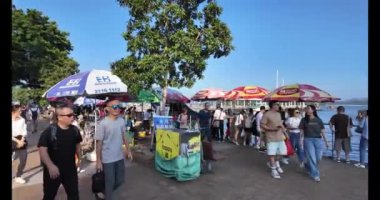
[(332, 144)]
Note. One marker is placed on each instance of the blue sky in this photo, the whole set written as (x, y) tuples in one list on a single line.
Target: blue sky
[(318, 42)]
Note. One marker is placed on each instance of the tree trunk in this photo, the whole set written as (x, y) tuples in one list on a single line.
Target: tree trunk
[(163, 100)]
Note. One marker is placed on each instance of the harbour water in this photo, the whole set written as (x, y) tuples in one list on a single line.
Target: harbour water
[(352, 110)]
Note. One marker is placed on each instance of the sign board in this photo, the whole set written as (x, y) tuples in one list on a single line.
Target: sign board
[(167, 145)]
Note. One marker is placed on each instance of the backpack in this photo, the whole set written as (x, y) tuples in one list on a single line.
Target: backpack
[(254, 125), (53, 137)]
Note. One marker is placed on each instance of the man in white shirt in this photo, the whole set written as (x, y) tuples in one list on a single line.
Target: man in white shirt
[(219, 116), (261, 142)]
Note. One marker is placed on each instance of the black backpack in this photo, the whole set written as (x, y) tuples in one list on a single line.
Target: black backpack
[(53, 137), (254, 125)]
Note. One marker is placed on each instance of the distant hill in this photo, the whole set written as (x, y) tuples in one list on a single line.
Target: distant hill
[(354, 101)]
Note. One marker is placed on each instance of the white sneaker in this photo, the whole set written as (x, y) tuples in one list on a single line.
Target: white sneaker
[(285, 161), (278, 167), (302, 165), (20, 180), (359, 165), (257, 147), (275, 174)]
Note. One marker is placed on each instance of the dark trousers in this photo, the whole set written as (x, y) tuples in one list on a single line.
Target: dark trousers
[(69, 180), (22, 155), (114, 176), (221, 130)]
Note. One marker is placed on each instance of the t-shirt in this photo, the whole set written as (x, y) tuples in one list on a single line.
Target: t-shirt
[(259, 116), (293, 123), (64, 154), (219, 114), (239, 119), (273, 119), (340, 123), (18, 127), (204, 118), (111, 133), (313, 128)]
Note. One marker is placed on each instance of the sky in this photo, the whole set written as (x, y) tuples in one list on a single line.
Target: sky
[(319, 42)]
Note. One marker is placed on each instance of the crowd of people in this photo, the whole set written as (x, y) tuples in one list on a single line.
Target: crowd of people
[(264, 130), (268, 130)]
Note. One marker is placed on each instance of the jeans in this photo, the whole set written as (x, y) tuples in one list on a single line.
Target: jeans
[(295, 140), (363, 149), (205, 132), (313, 152), (221, 130), (22, 155), (114, 176)]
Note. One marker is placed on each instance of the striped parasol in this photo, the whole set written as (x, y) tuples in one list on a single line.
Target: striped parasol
[(246, 93), (300, 93), (209, 94)]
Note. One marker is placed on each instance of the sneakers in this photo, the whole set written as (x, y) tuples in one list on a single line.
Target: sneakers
[(348, 162), (285, 161), (275, 174), (257, 147), (359, 165), (317, 179), (277, 168), (20, 180), (302, 165)]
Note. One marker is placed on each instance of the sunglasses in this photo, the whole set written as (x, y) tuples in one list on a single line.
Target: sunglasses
[(116, 107), (297, 112), (69, 115)]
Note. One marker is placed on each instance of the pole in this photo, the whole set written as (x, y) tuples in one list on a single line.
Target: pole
[(277, 79), (332, 144)]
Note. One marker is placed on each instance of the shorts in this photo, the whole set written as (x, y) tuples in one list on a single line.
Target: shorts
[(344, 143), (276, 148)]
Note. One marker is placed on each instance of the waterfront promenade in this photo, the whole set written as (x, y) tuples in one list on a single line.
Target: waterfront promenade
[(240, 173)]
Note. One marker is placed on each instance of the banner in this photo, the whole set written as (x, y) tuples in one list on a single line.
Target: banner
[(167, 145)]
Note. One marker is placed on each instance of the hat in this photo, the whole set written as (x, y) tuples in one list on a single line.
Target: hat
[(16, 103)]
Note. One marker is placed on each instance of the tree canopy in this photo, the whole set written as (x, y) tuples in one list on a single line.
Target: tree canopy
[(169, 41), (40, 51)]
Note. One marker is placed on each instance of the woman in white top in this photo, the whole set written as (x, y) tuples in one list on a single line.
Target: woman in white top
[(239, 125), (292, 125), (18, 138)]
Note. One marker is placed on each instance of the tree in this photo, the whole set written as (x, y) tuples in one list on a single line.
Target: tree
[(40, 52), (169, 42)]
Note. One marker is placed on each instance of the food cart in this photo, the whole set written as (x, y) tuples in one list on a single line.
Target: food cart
[(177, 152)]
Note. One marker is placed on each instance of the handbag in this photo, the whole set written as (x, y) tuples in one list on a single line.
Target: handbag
[(289, 147), (98, 182), (359, 129), (14, 144)]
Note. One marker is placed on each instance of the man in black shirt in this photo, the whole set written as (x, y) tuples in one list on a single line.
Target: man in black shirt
[(58, 145), (340, 125)]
